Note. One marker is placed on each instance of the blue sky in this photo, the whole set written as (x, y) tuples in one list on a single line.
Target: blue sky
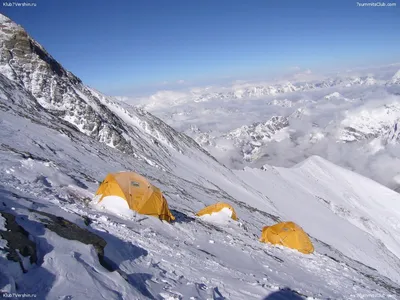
[(120, 47)]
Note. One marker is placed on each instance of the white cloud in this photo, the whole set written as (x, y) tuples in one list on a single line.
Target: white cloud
[(313, 133)]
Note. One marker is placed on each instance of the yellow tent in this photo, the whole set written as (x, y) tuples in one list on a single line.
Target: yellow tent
[(287, 234), (216, 208), (137, 191)]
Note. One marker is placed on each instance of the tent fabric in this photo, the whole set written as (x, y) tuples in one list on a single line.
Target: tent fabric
[(216, 208), (287, 234), (138, 192)]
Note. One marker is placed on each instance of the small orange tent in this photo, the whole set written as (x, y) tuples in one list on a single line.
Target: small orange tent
[(138, 192), (287, 234), (216, 208)]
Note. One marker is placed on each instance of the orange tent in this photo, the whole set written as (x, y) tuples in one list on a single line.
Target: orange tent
[(287, 234), (216, 208), (138, 192)]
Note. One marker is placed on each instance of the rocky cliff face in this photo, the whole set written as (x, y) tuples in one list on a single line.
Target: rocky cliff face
[(58, 91)]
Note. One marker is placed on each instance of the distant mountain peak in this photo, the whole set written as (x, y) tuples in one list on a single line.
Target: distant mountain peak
[(7, 22), (396, 78), (334, 95), (4, 18), (21, 55)]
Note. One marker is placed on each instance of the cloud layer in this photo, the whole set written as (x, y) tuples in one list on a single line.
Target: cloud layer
[(350, 122)]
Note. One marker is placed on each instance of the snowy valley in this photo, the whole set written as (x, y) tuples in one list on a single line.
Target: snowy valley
[(59, 139)]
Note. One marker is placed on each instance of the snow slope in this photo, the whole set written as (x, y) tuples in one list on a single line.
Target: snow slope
[(48, 171), (189, 258), (320, 195), (56, 245)]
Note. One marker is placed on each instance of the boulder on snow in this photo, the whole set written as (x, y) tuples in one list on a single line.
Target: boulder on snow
[(71, 231), (18, 242)]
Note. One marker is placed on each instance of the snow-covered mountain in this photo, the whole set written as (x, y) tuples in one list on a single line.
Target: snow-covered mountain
[(395, 79), (59, 139), (250, 138), (371, 123), (24, 61), (164, 99), (355, 114)]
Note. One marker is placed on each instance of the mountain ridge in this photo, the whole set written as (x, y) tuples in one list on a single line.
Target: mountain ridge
[(63, 94)]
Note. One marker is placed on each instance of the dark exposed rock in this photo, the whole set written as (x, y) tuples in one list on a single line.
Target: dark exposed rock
[(43, 55), (71, 231), (18, 242), (87, 220)]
